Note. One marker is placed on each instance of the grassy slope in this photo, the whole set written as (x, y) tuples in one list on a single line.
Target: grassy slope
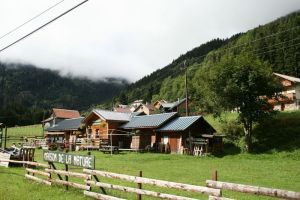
[(281, 133), (279, 170)]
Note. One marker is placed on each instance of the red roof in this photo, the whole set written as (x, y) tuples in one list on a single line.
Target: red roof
[(65, 114)]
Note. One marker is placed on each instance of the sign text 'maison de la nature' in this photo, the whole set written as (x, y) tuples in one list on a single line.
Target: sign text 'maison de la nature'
[(70, 159)]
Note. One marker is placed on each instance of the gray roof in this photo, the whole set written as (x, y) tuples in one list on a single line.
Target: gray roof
[(172, 105), (177, 103), (66, 125), (149, 121), (180, 123), (112, 115)]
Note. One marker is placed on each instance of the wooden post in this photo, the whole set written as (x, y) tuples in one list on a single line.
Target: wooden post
[(67, 177), (5, 137), (111, 143), (214, 175), (139, 186), (53, 166), (97, 179)]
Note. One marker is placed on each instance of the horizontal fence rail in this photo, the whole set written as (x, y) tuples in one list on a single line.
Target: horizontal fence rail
[(100, 196), (25, 162), (138, 191), (39, 180), (68, 173), (67, 183), (254, 189), (218, 198), (33, 171), (155, 182)]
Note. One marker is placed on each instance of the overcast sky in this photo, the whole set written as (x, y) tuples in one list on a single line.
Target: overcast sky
[(126, 38)]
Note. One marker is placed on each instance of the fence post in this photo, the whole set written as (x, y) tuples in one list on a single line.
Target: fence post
[(214, 175), (139, 186), (66, 177)]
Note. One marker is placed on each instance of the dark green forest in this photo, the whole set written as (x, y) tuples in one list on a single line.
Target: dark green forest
[(28, 93), (277, 43)]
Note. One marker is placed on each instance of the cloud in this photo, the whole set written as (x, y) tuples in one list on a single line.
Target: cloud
[(129, 38)]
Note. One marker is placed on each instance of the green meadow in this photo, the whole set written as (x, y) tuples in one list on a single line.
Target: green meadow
[(275, 163)]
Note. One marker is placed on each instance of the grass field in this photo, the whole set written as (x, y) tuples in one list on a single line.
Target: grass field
[(275, 163), (21, 131), (278, 170)]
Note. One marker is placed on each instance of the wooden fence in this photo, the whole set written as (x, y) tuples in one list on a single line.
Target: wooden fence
[(213, 188)]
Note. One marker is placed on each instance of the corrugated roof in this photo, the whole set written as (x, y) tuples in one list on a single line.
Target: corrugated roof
[(149, 121), (167, 105), (290, 78), (177, 103), (66, 125), (172, 105), (113, 116), (180, 123), (66, 114)]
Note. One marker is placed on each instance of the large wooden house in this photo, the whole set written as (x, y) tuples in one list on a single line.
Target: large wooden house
[(103, 126), (290, 99)]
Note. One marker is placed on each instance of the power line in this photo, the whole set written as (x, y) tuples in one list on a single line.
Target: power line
[(221, 49), (278, 48), (54, 19), (297, 38), (268, 36), (31, 19)]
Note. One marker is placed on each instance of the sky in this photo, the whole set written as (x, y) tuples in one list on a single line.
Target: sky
[(125, 38)]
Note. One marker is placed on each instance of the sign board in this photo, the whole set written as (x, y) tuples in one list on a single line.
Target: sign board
[(84, 161), (5, 156)]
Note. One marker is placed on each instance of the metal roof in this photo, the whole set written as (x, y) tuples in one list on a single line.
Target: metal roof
[(290, 78), (172, 105), (149, 121), (112, 115), (177, 103), (180, 123), (66, 125)]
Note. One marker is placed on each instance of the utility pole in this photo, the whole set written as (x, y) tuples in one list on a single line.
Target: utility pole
[(186, 90)]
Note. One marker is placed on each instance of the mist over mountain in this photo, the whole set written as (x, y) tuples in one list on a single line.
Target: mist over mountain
[(27, 93)]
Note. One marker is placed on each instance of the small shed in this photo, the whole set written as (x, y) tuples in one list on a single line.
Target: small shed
[(188, 134), (144, 128)]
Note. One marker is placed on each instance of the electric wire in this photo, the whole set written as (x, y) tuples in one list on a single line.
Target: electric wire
[(39, 28), (31, 19)]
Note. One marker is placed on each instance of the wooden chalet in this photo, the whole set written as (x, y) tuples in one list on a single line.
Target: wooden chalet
[(159, 103), (144, 128), (290, 93), (66, 134), (59, 115), (103, 127), (190, 134), (148, 109), (167, 132)]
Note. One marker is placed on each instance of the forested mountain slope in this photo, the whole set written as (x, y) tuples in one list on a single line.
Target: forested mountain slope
[(27, 93), (277, 42)]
